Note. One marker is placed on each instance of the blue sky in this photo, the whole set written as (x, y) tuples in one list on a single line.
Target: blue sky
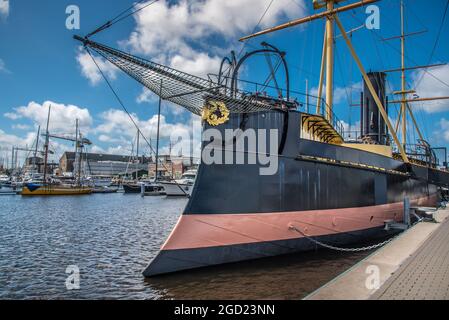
[(40, 62)]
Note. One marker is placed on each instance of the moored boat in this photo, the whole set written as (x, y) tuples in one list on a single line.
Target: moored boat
[(53, 190), (180, 187), (105, 189), (137, 188)]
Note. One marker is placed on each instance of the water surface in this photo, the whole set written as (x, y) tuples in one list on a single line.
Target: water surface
[(112, 237)]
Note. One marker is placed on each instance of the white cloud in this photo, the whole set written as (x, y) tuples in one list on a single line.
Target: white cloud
[(146, 96), (97, 149), (341, 94), (62, 118), (12, 116), (90, 71), (3, 66), (4, 8), (444, 124), (118, 124), (119, 133), (176, 33), (200, 64), (21, 127), (430, 87), (7, 141)]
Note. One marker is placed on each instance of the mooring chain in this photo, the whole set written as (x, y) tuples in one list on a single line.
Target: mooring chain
[(327, 246)]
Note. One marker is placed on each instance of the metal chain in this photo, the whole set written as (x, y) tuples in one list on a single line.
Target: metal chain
[(342, 249)]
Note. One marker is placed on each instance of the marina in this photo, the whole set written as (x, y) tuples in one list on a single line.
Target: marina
[(237, 172)]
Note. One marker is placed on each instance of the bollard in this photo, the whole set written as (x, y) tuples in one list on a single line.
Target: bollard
[(142, 190), (407, 220)]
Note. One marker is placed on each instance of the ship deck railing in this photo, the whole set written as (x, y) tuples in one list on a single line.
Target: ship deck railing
[(304, 102)]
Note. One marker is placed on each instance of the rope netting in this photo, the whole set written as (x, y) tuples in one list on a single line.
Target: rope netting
[(183, 89)]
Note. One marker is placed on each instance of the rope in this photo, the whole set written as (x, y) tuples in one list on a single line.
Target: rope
[(436, 42), (255, 28), (406, 56), (119, 17), (327, 246), (132, 119)]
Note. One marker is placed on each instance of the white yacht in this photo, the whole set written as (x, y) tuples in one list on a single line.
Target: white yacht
[(180, 187), (4, 179)]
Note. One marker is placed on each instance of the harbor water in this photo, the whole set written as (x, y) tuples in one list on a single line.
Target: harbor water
[(112, 237)]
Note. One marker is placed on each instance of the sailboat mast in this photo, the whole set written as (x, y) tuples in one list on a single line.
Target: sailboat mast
[(158, 128), (36, 148), (78, 151), (329, 61), (47, 142), (137, 154), (403, 83)]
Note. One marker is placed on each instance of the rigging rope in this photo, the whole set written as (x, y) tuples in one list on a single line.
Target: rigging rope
[(373, 31), (255, 28), (436, 42), (119, 17)]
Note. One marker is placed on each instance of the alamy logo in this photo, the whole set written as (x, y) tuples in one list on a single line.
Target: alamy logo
[(373, 20), (73, 20), (242, 147), (73, 280), (373, 280)]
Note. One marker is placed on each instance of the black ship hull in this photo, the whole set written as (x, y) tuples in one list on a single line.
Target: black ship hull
[(337, 195)]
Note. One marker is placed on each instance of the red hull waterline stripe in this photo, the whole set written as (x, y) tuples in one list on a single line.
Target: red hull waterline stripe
[(211, 230), (206, 240)]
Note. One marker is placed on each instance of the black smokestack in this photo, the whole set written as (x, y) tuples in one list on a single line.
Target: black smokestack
[(374, 129)]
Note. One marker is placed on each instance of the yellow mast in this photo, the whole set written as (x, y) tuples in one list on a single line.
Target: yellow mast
[(329, 61), (331, 15), (320, 85), (371, 89)]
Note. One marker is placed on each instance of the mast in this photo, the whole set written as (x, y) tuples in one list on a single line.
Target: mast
[(47, 141), (158, 128), (329, 61), (77, 159), (307, 95), (331, 15), (36, 148), (12, 158), (320, 84), (137, 153), (403, 83), (78, 152)]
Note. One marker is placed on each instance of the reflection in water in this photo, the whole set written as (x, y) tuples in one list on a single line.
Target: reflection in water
[(112, 237), (286, 277)]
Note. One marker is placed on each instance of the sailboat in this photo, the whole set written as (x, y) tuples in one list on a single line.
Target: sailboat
[(326, 190), (50, 188)]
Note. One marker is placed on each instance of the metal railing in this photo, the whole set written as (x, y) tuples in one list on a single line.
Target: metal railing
[(305, 102)]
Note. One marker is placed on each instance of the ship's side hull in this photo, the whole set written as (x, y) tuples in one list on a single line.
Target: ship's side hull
[(337, 195)]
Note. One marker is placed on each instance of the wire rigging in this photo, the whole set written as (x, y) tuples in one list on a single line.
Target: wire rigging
[(435, 46), (122, 16), (406, 56), (246, 43)]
